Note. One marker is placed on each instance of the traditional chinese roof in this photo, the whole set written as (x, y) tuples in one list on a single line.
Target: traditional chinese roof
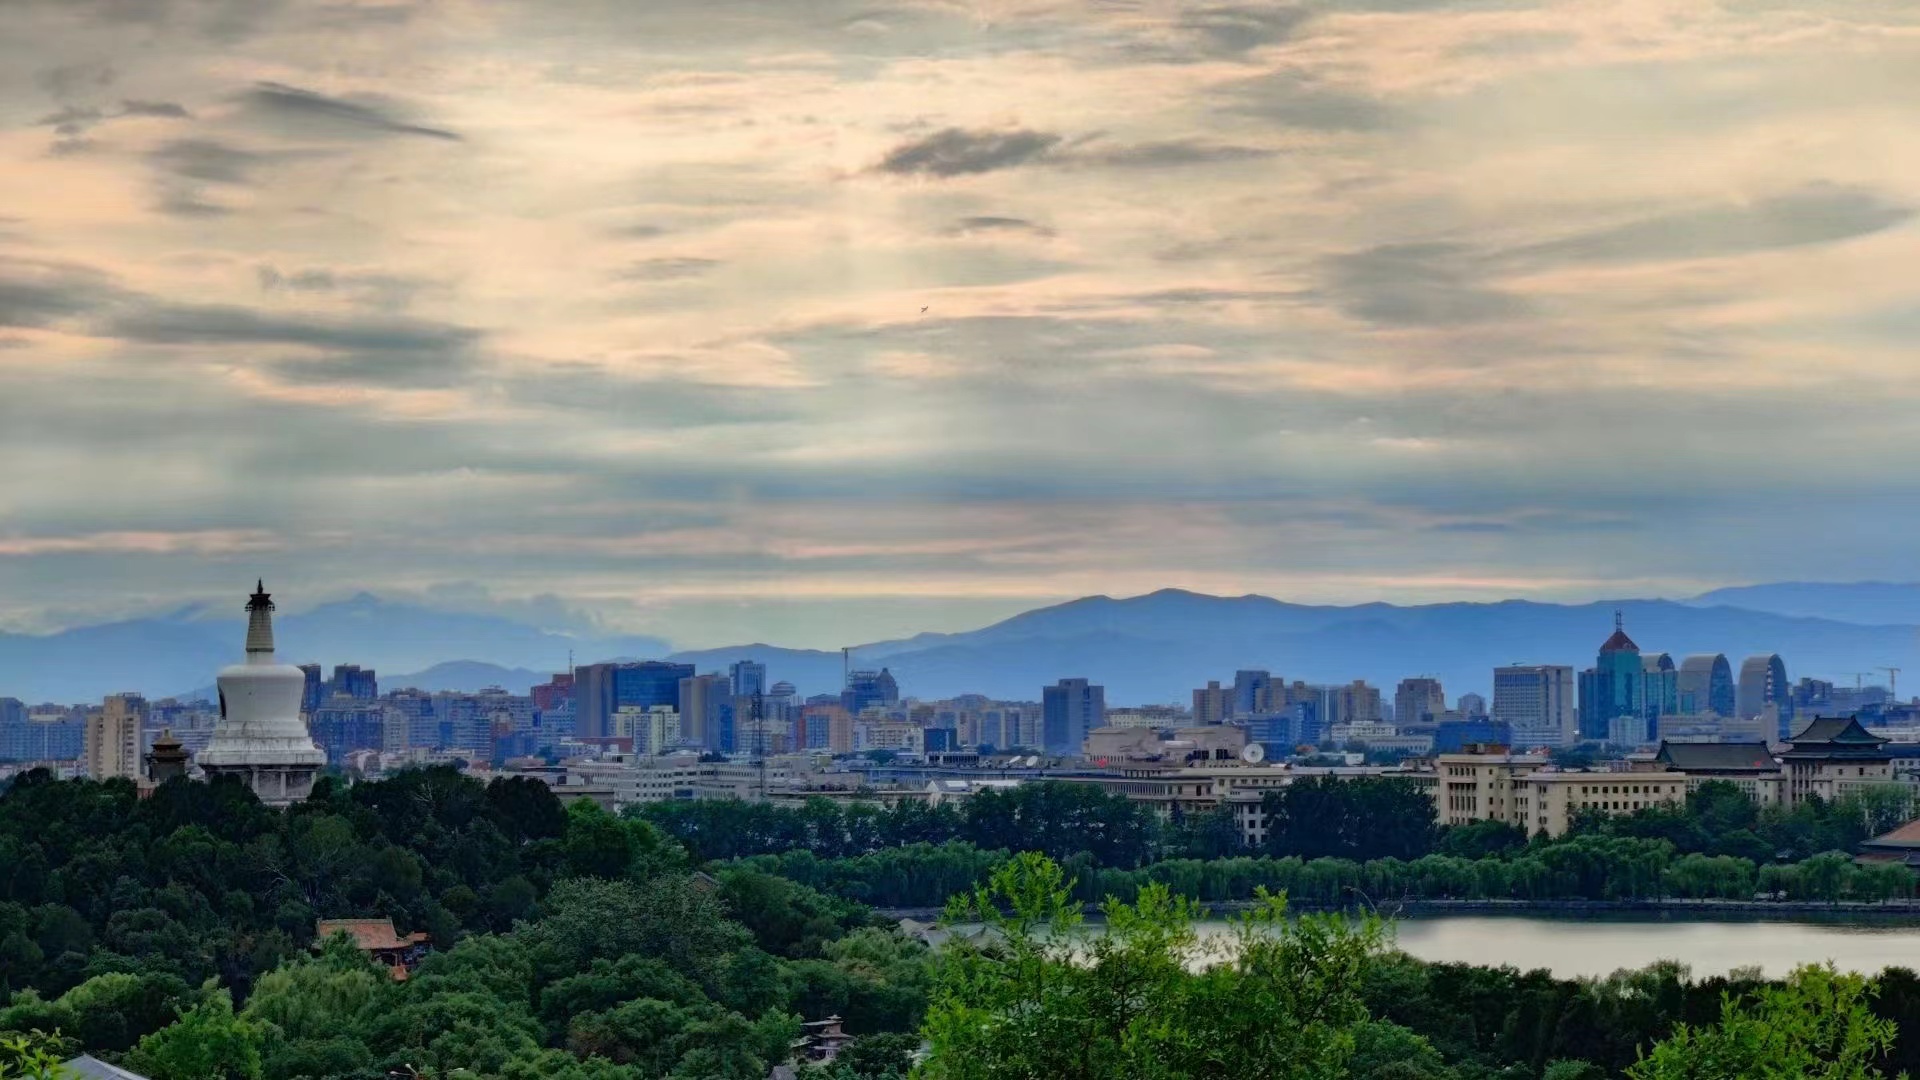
[(1838, 730), (368, 935), (1906, 838), (88, 1067), (1693, 757)]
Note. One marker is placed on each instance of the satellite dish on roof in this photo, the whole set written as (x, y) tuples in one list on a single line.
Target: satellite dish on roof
[(1254, 754)]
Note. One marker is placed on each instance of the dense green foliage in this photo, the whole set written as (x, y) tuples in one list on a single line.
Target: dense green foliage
[(175, 934), (1321, 997), (1361, 843), (1146, 998)]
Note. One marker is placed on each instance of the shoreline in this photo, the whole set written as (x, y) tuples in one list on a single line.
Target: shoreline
[(1805, 911)]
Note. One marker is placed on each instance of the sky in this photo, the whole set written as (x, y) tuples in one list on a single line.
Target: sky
[(821, 321)]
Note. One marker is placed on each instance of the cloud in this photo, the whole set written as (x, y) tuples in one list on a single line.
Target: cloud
[(1236, 29), (305, 112), (40, 294), (166, 109), (70, 120), (1423, 284), (1818, 214), (184, 169), (1294, 100), (298, 281), (225, 324), (960, 152), (989, 223), (668, 268), (207, 160), (1170, 154), (380, 291)]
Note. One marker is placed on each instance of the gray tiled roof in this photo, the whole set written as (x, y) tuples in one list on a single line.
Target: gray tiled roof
[(89, 1067), (1718, 757)]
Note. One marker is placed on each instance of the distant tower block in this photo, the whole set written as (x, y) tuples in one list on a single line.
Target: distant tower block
[(260, 737)]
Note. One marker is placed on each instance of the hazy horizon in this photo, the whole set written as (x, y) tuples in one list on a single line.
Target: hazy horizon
[(799, 630), (851, 319)]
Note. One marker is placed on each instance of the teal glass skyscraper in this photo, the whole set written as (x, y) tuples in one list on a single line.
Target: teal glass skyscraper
[(1611, 688)]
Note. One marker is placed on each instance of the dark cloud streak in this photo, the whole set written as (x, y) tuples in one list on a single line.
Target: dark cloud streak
[(959, 152), (304, 111)]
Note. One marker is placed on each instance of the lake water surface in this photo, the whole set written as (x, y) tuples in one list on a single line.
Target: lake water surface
[(1572, 947)]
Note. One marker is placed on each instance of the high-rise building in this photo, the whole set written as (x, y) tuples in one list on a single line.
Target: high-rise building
[(1418, 700), (1068, 710), (1212, 704), (706, 712), (314, 690), (1354, 703), (1659, 691), (747, 678), (1536, 703), (825, 727), (1471, 705), (342, 725), (353, 681), (867, 688), (113, 738), (1763, 682), (1704, 684), (421, 723), (46, 734), (599, 689), (1252, 692), (1611, 688), (551, 695), (260, 737)]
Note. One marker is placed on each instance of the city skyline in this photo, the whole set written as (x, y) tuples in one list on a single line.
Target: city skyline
[(863, 317)]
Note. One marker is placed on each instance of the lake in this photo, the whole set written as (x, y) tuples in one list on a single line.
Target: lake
[(1572, 947)]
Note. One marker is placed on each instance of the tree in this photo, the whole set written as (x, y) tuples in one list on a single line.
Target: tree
[(1373, 818), (597, 843), (207, 1043), (1818, 1025), (886, 1056), (33, 1055), (1278, 998)]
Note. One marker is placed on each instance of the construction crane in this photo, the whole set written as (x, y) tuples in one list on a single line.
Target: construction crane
[(1893, 682)]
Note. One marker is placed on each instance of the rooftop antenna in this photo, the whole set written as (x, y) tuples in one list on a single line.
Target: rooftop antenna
[(1619, 620)]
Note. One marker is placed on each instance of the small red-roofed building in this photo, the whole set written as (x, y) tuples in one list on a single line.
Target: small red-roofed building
[(378, 939)]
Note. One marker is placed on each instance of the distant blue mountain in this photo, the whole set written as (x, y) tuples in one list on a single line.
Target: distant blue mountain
[(182, 650), (813, 671), (1152, 648), (467, 676), (1870, 603), (1156, 648)]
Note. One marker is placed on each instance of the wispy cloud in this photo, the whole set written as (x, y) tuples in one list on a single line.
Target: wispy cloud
[(852, 303)]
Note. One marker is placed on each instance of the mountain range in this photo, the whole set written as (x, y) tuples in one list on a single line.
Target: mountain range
[(1152, 648)]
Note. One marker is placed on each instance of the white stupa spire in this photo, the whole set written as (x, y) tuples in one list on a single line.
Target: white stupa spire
[(261, 736), (260, 622)]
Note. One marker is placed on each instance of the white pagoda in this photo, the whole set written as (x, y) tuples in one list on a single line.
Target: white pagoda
[(261, 737)]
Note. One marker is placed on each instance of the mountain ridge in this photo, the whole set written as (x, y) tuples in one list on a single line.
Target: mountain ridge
[(1150, 648)]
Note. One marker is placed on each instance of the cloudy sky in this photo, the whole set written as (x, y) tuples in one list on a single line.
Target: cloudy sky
[(822, 320)]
